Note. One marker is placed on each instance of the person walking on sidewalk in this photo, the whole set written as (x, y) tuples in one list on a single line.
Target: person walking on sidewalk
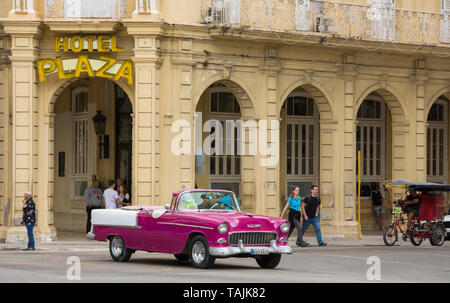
[(295, 218), (93, 196), (29, 218), (310, 211)]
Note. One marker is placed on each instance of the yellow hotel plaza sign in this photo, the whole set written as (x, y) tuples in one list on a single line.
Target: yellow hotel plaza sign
[(106, 67)]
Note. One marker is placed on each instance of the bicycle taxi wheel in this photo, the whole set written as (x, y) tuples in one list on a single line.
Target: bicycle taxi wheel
[(416, 241), (437, 234), (390, 235)]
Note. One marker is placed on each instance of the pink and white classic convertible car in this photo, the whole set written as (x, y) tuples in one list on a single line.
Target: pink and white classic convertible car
[(198, 227)]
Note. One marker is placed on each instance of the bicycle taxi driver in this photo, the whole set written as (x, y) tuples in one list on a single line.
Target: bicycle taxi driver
[(411, 207)]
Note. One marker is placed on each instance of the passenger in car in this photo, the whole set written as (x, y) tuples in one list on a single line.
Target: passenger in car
[(206, 204)]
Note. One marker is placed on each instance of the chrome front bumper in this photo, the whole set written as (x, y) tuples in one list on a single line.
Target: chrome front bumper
[(241, 249)]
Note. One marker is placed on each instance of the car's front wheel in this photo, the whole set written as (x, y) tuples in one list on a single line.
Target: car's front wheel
[(119, 252), (270, 261), (199, 253)]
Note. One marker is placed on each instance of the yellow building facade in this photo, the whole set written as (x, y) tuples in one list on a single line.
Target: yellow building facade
[(368, 75)]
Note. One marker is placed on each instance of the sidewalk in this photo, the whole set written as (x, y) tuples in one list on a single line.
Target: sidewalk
[(72, 242), (369, 237), (66, 242)]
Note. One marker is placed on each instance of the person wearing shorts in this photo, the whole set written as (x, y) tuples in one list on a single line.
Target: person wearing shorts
[(411, 207)]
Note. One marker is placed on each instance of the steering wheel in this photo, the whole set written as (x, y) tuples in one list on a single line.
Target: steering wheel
[(217, 206)]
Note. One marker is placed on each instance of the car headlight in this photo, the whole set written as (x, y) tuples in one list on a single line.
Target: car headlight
[(223, 227), (284, 227)]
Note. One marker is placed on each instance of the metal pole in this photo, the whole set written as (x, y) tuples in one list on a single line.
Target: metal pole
[(359, 195)]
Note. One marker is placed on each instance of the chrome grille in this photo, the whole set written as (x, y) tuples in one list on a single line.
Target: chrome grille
[(252, 238)]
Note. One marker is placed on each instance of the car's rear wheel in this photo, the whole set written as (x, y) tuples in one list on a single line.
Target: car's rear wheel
[(270, 261), (182, 258), (437, 235), (119, 252), (199, 253)]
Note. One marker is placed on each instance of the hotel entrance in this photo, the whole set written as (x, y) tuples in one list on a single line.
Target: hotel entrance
[(92, 139)]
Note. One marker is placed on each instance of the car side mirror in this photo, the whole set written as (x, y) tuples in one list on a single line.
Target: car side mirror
[(167, 206)]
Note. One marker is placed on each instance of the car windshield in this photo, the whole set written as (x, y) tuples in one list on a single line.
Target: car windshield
[(208, 200)]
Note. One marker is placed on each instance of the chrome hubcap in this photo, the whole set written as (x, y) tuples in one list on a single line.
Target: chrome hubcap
[(116, 246), (198, 252)]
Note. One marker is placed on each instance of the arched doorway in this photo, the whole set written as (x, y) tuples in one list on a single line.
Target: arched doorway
[(376, 139), (220, 169), (78, 157), (299, 146)]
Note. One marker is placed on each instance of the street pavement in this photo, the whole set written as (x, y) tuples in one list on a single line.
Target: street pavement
[(343, 260)]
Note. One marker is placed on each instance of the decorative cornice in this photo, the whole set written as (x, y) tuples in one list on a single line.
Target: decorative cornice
[(98, 26), (144, 28), (157, 62), (183, 62), (21, 27)]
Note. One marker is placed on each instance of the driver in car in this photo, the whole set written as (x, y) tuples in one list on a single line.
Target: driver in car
[(411, 207), (206, 204)]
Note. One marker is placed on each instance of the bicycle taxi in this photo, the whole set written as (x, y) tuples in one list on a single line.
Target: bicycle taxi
[(428, 224)]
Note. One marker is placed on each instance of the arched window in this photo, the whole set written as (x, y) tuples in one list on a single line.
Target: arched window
[(370, 139), (225, 169), (437, 142), (302, 144)]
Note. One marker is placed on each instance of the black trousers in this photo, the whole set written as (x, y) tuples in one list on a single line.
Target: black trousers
[(88, 222), (294, 220)]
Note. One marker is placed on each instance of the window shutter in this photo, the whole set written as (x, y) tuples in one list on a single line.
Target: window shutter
[(232, 11), (446, 5)]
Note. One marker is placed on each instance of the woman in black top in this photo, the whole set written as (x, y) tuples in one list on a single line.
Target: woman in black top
[(377, 205), (29, 218)]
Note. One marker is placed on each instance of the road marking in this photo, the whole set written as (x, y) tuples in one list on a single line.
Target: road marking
[(383, 261)]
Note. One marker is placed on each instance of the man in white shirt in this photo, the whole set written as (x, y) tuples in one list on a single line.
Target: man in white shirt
[(110, 196)]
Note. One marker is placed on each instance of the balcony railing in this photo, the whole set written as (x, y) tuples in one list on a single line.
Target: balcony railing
[(104, 9), (344, 20)]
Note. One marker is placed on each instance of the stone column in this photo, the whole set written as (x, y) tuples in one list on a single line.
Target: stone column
[(183, 107), (421, 133), (337, 166), (399, 136), (332, 205), (24, 53), (146, 112), (349, 215), (5, 200), (46, 229), (267, 172)]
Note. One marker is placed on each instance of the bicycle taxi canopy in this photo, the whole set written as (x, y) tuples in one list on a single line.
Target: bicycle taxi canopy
[(419, 186)]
